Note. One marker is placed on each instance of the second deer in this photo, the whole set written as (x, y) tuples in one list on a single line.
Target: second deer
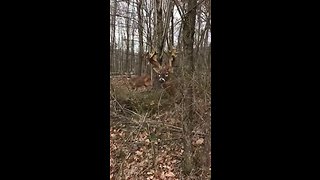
[(140, 81)]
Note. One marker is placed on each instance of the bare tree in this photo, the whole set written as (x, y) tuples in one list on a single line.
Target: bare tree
[(127, 40), (132, 59), (158, 31), (189, 116), (113, 38), (138, 27), (140, 31)]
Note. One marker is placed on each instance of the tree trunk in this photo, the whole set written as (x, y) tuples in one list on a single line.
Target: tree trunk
[(159, 27), (172, 25), (189, 119), (133, 64), (132, 59), (113, 38), (157, 39), (140, 31), (127, 41), (122, 55)]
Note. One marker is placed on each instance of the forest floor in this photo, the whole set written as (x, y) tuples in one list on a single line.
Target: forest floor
[(146, 139)]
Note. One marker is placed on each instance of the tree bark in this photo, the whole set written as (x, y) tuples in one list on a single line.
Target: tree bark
[(127, 41), (158, 31), (140, 31), (189, 119), (172, 25), (132, 59), (113, 39)]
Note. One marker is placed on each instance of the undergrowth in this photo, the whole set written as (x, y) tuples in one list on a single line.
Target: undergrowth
[(146, 133)]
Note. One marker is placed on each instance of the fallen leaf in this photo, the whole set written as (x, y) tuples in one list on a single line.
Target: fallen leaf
[(139, 153), (162, 176), (169, 174), (200, 141)]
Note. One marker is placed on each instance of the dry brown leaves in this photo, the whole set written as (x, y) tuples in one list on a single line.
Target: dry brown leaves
[(140, 156), (150, 151)]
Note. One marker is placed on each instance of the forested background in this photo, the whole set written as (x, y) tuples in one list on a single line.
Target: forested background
[(152, 135), (137, 26)]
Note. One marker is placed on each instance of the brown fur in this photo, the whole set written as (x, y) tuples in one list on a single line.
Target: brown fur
[(170, 87), (140, 81)]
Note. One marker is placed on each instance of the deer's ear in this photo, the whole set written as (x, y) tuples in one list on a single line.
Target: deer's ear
[(156, 69)]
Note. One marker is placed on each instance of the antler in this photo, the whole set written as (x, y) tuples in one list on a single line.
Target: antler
[(153, 60), (173, 54)]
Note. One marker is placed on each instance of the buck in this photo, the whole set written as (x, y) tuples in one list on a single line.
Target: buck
[(165, 72), (140, 81)]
